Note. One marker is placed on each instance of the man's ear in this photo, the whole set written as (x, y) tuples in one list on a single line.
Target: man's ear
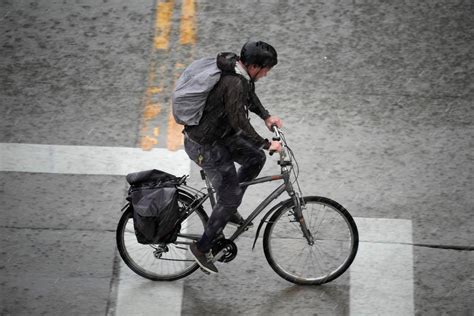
[(253, 68)]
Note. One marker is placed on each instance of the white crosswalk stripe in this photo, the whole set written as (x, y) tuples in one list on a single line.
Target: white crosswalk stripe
[(385, 249), (89, 159), (135, 295)]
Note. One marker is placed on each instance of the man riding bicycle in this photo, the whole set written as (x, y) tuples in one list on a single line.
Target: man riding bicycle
[(224, 136)]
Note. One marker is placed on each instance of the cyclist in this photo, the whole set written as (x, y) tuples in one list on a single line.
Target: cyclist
[(224, 135)]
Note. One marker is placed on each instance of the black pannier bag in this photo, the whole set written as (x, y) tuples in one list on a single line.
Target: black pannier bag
[(154, 198)]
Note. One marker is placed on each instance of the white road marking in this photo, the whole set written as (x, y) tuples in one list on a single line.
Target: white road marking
[(139, 296), (135, 295), (381, 276), (89, 159)]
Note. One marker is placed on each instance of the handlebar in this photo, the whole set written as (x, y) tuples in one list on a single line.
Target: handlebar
[(277, 137), (276, 130)]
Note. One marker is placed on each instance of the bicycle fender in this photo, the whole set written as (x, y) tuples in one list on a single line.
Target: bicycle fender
[(125, 207), (264, 218)]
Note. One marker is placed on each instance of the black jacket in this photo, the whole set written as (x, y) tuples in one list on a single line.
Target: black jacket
[(226, 110)]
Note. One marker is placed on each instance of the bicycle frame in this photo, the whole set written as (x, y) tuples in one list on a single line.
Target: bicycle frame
[(210, 195), (285, 186)]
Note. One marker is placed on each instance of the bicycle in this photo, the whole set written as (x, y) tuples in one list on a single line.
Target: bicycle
[(307, 240)]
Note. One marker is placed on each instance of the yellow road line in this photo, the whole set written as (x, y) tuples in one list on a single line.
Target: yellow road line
[(149, 135), (155, 87), (164, 11), (188, 23), (175, 136), (187, 37)]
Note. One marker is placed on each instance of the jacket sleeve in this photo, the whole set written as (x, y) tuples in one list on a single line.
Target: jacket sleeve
[(256, 106), (235, 99)]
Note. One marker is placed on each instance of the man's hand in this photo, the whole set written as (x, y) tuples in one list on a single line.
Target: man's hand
[(275, 146), (273, 120)]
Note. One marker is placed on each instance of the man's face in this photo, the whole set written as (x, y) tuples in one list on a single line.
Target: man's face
[(257, 72)]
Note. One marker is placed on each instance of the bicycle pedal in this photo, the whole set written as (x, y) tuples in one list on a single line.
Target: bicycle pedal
[(206, 272)]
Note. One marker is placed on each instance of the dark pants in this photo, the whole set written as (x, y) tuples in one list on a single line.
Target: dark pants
[(218, 162)]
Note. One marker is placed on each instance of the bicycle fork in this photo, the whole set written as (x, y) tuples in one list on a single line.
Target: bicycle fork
[(300, 218), (298, 202)]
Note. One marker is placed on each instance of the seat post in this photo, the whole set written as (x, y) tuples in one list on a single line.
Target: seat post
[(210, 189)]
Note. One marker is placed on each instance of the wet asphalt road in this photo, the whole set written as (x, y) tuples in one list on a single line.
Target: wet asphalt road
[(377, 103)]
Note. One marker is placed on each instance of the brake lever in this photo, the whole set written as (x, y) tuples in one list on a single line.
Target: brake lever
[(276, 137)]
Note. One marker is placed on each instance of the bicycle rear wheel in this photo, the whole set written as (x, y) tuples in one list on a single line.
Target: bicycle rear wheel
[(336, 240), (161, 262)]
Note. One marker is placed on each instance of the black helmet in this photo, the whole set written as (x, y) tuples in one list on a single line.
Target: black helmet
[(259, 53)]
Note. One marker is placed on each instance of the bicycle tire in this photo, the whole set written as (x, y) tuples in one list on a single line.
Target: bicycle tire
[(287, 250), (177, 262)]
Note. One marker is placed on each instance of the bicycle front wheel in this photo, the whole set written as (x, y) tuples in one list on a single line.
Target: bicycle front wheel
[(161, 262), (336, 240)]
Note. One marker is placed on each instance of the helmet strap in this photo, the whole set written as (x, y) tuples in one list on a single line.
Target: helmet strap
[(253, 78)]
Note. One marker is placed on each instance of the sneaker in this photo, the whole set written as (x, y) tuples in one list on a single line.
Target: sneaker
[(237, 220), (203, 259)]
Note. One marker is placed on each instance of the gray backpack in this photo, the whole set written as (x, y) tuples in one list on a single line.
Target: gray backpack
[(192, 89)]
